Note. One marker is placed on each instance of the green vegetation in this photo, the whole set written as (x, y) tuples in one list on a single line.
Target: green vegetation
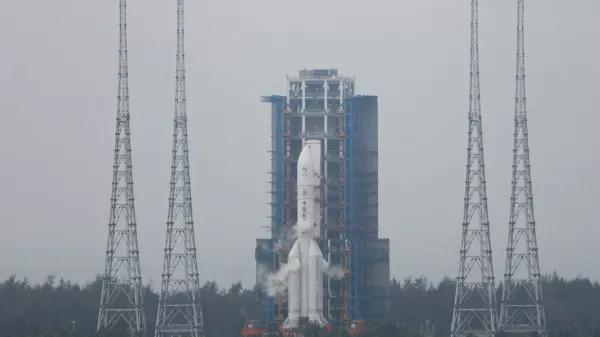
[(48, 309)]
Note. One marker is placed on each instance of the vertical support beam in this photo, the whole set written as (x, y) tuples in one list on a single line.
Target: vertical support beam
[(303, 112), (342, 224), (324, 190)]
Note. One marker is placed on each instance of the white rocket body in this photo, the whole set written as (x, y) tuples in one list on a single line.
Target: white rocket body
[(305, 260)]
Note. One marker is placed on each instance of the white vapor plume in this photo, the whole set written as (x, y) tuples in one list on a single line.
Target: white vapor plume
[(287, 238), (335, 272), (276, 283)]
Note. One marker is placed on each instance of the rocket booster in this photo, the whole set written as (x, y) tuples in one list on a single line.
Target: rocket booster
[(307, 266)]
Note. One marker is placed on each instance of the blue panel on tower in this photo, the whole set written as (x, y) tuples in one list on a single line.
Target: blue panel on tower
[(268, 304), (277, 125), (265, 260), (351, 225)]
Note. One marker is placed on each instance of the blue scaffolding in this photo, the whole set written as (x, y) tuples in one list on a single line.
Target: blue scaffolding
[(277, 170), (351, 227)]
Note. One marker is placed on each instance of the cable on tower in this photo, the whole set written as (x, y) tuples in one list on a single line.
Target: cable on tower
[(121, 302), (475, 297), (522, 309), (179, 307)]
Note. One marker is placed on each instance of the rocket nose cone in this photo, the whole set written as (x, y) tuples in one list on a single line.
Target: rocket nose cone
[(305, 161)]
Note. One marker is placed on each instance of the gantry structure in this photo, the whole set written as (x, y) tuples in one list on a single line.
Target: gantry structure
[(321, 104)]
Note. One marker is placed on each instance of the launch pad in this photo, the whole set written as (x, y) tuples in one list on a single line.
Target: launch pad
[(256, 328)]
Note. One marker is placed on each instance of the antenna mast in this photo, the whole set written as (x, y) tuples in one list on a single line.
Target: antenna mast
[(522, 310), (179, 307), (475, 298), (121, 302)]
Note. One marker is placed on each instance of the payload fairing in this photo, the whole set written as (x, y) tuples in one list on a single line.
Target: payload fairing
[(306, 267)]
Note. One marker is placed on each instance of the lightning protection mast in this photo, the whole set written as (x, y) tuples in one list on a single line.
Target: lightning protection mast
[(522, 310), (121, 302), (179, 307), (475, 297)]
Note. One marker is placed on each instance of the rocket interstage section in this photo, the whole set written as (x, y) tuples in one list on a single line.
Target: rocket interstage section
[(306, 267)]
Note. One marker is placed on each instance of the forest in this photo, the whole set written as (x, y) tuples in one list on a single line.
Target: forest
[(59, 308)]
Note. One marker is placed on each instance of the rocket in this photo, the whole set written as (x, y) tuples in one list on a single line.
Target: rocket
[(306, 267)]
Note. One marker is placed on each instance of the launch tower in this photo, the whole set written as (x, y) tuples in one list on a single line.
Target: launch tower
[(179, 307), (322, 105), (522, 309), (475, 297), (122, 302)]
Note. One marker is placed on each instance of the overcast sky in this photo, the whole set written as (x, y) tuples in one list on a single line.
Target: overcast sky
[(58, 79)]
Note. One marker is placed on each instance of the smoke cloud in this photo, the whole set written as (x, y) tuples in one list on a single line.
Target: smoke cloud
[(276, 284), (335, 272), (286, 239)]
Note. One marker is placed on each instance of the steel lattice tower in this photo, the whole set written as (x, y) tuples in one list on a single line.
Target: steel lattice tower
[(475, 298), (121, 302), (179, 307), (522, 310)]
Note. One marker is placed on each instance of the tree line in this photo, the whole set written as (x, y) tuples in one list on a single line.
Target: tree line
[(59, 308)]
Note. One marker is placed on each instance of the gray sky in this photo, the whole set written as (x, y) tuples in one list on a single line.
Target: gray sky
[(58, 66)]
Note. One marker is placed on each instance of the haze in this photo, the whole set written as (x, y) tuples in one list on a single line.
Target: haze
[(58, 78)]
